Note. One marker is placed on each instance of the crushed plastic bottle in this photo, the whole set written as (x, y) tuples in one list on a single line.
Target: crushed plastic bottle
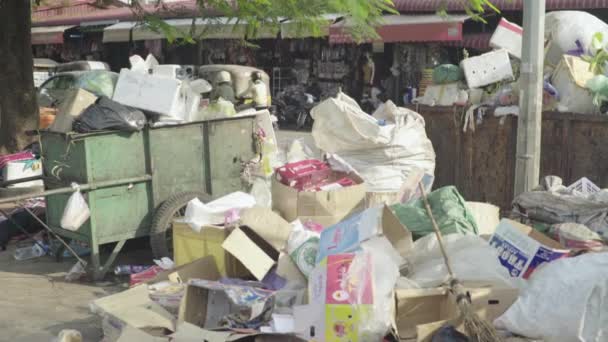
[(30, 252)]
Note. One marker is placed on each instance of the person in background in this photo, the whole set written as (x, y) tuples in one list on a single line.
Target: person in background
[(259, 92), (223, 87)]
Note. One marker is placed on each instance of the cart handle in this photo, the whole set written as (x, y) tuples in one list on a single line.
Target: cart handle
[(83, 187)]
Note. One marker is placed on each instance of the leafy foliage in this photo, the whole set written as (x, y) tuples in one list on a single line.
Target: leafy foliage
[(598, 57)]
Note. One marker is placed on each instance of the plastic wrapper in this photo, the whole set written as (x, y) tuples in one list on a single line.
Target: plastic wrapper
[(199, 214), (302, 247), (106, 114), (76, 211), (576, 236), (599, 87)]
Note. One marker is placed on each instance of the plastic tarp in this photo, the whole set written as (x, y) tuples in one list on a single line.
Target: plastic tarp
[(552, 207), (566, 301), (449, 209), (384, 155)]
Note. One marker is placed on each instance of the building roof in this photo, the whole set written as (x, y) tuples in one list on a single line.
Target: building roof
[(406, 6)]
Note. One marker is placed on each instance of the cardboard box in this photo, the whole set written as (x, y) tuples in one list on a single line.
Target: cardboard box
[(421, 312), (323, 207), (189, 246), (160, 95), (570, 79), (337, 305), (522, 249), (76, 102), (347, 235), (488, 68), (203, 268), (508, 36), (187, 332), (257, 243)]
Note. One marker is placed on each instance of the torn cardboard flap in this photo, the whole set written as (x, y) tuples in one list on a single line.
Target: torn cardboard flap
[(250, 249), (203, 268), (135, 308), (268, 225)]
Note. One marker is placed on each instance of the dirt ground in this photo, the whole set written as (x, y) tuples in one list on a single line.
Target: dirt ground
[(36, 303)]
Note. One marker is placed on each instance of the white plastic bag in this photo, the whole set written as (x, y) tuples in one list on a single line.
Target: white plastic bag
[(383, 155), (302, 247), (473, 260), (199, 214), (566, 301), (76, 211)]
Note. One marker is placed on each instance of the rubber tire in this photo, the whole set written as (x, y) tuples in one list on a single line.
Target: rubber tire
[(162, 218)]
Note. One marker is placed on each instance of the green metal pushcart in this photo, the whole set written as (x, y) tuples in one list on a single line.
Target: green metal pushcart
[(136, 183)]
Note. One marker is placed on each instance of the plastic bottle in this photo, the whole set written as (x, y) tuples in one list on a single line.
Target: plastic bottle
[(130, 269), (31, 252)]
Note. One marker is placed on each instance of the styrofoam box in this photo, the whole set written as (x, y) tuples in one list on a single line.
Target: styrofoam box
[(508, 36), (23, 169), (488, 68), (160, 95)]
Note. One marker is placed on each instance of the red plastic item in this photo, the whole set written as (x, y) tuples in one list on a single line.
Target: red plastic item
[(15, 157), (144, 276), (304, 174)]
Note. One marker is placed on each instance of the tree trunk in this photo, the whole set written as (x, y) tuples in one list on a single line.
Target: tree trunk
[(18, 108)]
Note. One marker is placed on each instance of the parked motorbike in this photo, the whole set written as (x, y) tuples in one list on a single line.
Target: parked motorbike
[(293, 107)]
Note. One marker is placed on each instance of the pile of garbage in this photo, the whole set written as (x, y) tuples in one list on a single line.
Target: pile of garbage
[(324, 261), (574, 72)]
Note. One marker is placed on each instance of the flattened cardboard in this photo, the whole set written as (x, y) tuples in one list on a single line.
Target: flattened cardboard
[(268, 225), (135, 308), (203, 268), (323, 207), (421, 312)]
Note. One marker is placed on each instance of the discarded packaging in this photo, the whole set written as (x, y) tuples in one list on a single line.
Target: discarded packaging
[(199, 214), (302, 247), (508, 36), (522, 249), (491, 67), (76, 211), (75, 103), (576, 236), (421, 313), (570, 79), (304, 175), (326, 207), (444, 95), (106, 114)]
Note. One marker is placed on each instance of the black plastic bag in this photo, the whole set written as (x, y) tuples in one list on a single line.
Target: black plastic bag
[(106, 114), (448, 333)]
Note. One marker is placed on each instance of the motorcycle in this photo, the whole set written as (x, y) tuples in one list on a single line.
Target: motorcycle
[(293, 107)]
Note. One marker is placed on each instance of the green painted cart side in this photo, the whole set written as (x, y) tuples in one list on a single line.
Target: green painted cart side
[(139, 172)]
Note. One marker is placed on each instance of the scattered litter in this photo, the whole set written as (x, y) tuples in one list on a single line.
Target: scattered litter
[(77, 271), (68, 335), (199, 214), (576, 236)]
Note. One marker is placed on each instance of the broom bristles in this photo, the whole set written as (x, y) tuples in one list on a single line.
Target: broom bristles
[(478, 329)]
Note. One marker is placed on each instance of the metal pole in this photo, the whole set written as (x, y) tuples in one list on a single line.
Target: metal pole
[(527, 168), (83, 187)]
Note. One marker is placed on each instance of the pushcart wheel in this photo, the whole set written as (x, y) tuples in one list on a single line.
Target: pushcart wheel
[(161, 232)]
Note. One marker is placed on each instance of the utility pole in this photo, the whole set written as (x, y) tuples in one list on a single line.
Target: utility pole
[(527, 167)]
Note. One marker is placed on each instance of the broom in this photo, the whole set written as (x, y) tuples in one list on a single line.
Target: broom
[(479, 330)]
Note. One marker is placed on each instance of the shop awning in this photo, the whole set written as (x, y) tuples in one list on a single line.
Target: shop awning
[(408, 28), (503, 5), (48, 34), (293, 29), (478, 41), (209, 28)]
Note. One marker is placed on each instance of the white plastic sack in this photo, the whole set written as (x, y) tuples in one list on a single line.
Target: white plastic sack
[(566, 301), (473, 260), (76, 211), (302, 247), (199, 214), (564, 28), (383, 155)]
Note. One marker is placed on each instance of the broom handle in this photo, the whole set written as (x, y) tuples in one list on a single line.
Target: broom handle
[(446, 259)]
